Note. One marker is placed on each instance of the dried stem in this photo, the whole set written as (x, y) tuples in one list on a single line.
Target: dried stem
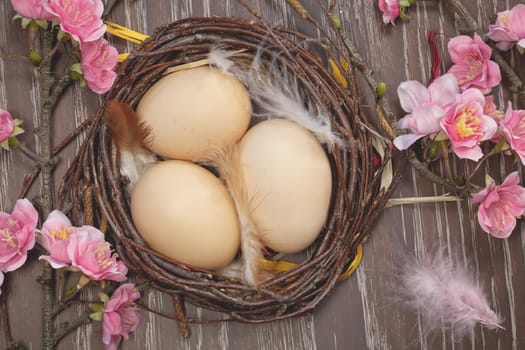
[(68, 327)]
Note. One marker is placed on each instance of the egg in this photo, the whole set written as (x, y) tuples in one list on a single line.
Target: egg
[(191, 112), (186, 213), (287, 176)]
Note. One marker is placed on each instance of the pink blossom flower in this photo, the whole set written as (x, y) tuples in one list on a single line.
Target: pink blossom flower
[(92, 255), (500, 205), (473, 67), (80, 18), (426, 107), (33, 9), (120, 316), (514, 130), (98, 61), (17, 235), (7, 125), (54, 237), (509, 28), (466, 125), (390, 9)]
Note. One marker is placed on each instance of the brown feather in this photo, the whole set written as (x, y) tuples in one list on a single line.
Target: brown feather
[(127, 131)]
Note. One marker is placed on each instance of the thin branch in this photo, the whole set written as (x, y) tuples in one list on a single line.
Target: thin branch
[(68, 327), (29, 153)]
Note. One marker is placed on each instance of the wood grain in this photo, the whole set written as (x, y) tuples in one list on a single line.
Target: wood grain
[(361, 312)]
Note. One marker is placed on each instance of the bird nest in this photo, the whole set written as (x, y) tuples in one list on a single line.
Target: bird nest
[(361, 184)]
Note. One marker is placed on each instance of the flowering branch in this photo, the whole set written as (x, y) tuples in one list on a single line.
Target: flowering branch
[(517, 85)]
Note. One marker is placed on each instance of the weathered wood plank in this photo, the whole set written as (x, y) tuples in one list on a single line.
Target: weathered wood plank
[(361, 312)]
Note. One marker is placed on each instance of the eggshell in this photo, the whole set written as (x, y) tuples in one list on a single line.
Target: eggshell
[(288, 179), (184, 212), (190, 112)]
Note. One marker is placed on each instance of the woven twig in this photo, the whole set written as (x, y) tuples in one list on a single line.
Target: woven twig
[(357, 198)]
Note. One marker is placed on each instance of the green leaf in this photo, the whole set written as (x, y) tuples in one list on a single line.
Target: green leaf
[(404, 3), (17, 16), (96, 316), (97, 307), (520, 49), (42, 23), (76, 67), (25, 22), (13, 142), (103, 296), (488, 180), (61, 34), (83, 281)]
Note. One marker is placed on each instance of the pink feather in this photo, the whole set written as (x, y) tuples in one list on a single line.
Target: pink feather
[(445, 295)]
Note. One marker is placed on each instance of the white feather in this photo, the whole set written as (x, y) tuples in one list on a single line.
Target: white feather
[(444, 294), (221, 59), (134, 163), (275, 94)]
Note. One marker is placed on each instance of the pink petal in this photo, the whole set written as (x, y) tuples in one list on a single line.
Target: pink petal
[(403, 142), (443, 90), (474, 153), (516, 21), (55, 221), (411, 94), (16, 262), (512, 179), (494, 74), (426, 119), (490, 126), (54, 263), (459, 46), (484, 49), (25, 213)]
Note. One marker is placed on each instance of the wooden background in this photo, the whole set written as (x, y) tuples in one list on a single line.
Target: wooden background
[(361, 312)]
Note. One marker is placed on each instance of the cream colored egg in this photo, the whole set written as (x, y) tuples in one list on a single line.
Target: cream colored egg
[(193, 111), (184, 212), (288, 179)]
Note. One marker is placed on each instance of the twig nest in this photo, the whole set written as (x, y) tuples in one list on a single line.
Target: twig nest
[(192, 111), (184, 212), (288, 179), (358, 189)]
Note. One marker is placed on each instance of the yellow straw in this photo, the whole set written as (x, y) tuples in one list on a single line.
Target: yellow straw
[(125, 33), (276, 267)]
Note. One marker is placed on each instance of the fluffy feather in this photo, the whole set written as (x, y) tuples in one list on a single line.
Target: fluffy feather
[(275, 94), (221, 59), (124, 126), (228, 164), (445, 295), (130, 136)]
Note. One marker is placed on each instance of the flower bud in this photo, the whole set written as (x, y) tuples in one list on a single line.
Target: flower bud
[(381, 89), (34, 57), (336, 21)]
